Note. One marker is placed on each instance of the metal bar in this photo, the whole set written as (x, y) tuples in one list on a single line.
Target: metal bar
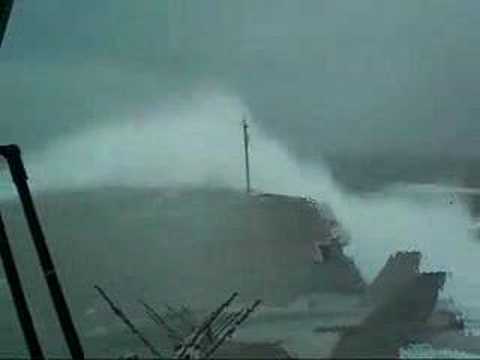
[(247, 155), (229, 320), (160, 321), (19, 175), (238, 321), (19, 299), (116, 310), (5, 11), (204, 326)]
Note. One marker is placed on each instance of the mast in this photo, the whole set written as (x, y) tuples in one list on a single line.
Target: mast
[(247, 160)]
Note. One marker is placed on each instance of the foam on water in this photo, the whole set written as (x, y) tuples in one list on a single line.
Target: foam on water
[(425, 351)]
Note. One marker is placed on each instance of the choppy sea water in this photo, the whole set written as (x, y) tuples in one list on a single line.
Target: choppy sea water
[(426, 351), (298, 337)]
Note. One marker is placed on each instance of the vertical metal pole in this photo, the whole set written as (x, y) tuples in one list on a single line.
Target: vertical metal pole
[(19, 176), (247, 160), (19, 299)]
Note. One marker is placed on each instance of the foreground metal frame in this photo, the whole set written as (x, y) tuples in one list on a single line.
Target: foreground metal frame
[(18, 172), (5, 11), (19, 299)]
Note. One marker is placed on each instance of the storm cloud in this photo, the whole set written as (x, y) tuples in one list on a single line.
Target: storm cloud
[(325, 77)]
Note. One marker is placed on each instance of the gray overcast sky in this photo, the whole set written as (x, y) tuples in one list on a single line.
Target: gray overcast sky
[(350, 76)]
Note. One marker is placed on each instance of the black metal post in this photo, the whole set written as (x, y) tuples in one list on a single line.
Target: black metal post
[(247, 156), (19, 175), (5, 11), (19, 299)]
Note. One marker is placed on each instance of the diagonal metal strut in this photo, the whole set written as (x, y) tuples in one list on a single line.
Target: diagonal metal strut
[(19, 299), (5, 11), (19, 176)]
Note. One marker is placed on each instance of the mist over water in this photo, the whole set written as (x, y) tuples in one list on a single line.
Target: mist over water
[(197, 142)]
